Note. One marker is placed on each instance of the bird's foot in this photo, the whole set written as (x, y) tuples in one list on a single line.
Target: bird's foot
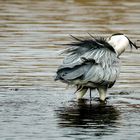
[(101, 101)]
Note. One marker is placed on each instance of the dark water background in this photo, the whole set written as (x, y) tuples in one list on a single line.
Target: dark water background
[(32, 105)]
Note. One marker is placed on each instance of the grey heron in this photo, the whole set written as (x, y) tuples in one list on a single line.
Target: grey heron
[(93, 63)]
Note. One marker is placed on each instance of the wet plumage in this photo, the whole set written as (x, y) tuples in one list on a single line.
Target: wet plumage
[(90, 63)]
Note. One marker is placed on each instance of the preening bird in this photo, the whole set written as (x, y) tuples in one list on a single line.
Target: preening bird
[(93, 63)]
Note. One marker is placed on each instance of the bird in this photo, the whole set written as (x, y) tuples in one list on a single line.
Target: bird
[(93, 63)]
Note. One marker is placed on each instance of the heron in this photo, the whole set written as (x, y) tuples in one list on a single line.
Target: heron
[(93, 63)]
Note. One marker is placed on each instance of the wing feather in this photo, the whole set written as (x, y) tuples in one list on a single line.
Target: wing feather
[(91, 60)]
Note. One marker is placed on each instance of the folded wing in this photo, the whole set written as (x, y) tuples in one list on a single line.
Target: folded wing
[(89, 61)]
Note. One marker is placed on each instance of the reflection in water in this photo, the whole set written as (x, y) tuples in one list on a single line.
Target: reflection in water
[(100, 118)]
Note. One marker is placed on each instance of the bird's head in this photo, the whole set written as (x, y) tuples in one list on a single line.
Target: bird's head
[(120, 42)]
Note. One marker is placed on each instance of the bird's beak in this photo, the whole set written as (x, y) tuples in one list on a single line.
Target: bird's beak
[(132, 44)]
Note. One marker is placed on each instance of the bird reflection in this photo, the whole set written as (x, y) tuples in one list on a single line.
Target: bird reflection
[(101, 118)]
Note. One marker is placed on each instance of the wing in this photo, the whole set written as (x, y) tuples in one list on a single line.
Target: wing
[(89, 60), (105, 71)]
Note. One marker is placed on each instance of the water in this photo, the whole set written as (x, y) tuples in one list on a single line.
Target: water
[(32, 105)]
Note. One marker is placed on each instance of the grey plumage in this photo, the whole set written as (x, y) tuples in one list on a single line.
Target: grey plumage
[(89, 63)]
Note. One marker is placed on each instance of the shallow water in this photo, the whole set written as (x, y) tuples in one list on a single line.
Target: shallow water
[(32, 105)]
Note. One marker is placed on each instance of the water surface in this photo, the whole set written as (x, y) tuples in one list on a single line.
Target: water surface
[(32, 105)]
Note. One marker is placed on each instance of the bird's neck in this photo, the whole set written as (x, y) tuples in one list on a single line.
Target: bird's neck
[(120, 49)]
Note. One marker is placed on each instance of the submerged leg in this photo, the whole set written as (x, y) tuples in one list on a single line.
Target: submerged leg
[(102, 93), (81, 92)]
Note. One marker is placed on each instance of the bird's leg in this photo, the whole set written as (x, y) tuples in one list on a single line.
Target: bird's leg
[(81, 92), (102, 93), (90, 93)]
